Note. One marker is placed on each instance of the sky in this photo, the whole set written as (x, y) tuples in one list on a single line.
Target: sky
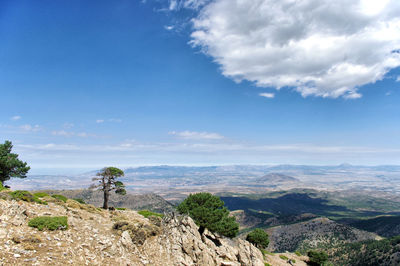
[(87, 84)]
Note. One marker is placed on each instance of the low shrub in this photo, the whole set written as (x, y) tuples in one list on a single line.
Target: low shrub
[(317, 257), (298, 253), (40, 194), (147, 213), (283, 257), (81, 201), (49, 223), (25, 196), (60, 197), (120, 208)]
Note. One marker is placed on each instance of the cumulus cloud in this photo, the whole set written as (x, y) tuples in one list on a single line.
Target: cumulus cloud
[(267, 95), (16, 117), (318, 47), (398, 79), (196, 135)]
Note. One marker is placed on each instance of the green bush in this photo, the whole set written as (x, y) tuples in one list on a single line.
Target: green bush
[(283, 257), (208, 211), (49, 223), (81, 201), (317, 257), (147, 213), (60, 197), (1, 186), (298, 253), (120, 209), (25, 196), (40, 194), (258, 237)]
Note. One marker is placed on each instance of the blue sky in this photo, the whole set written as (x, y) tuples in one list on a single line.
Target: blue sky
[(85, 84)]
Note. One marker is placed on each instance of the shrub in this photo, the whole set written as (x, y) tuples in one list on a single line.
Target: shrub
[(120, 208), (26, 196), (283, 257), (60, 197), (258, 237), (81, 201), (1, 186), (49, 223), (298, 253), (208, 211), (147, 213), (40, 194), (317, 257)]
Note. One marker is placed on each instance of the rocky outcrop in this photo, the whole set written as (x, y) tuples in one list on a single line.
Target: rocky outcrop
[(99, 237), (184, 245)]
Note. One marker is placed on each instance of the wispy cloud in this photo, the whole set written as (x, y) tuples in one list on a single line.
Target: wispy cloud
[(68, 125), (112, 120), (398, 79), (31, 128), (196, 135), (64, 133), (16, 117), (267, 95)]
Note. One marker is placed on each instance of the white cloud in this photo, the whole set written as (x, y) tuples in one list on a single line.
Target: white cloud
[(64, 133), (189, 4), (30, 128), (267, 95), (68, 125), (169, 27), (16, 117), (113, 120), (196, 135), (318, 47), (398, 79)]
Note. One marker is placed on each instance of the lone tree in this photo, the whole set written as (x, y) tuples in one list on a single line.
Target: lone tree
[(107, 182), (10, 165), (259, 238), (317, 257), (208, 211)]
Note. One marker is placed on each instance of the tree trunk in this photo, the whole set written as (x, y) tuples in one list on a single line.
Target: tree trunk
[(106, 195)]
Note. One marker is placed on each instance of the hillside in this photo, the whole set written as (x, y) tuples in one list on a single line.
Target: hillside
[(147, 201), (274, 178), (387, 226), (313, 234), (384, 252), (100, 237)]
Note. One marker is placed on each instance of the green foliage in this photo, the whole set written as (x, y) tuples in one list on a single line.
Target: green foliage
[(298, 253), (317, 257), (10, 165), (208, 211), (25, 196), (81, 201), (283, 257), (370, 252), (49, 223), (120, 209), (60, 197), (40, 194), (267, 264), (258, 237), (147, 213), (1, 186)]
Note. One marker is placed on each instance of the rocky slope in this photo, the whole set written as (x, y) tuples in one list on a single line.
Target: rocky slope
[(100, 237), (147, 201)]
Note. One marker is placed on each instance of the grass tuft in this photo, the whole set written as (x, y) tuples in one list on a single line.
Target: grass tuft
[(147, 213)]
